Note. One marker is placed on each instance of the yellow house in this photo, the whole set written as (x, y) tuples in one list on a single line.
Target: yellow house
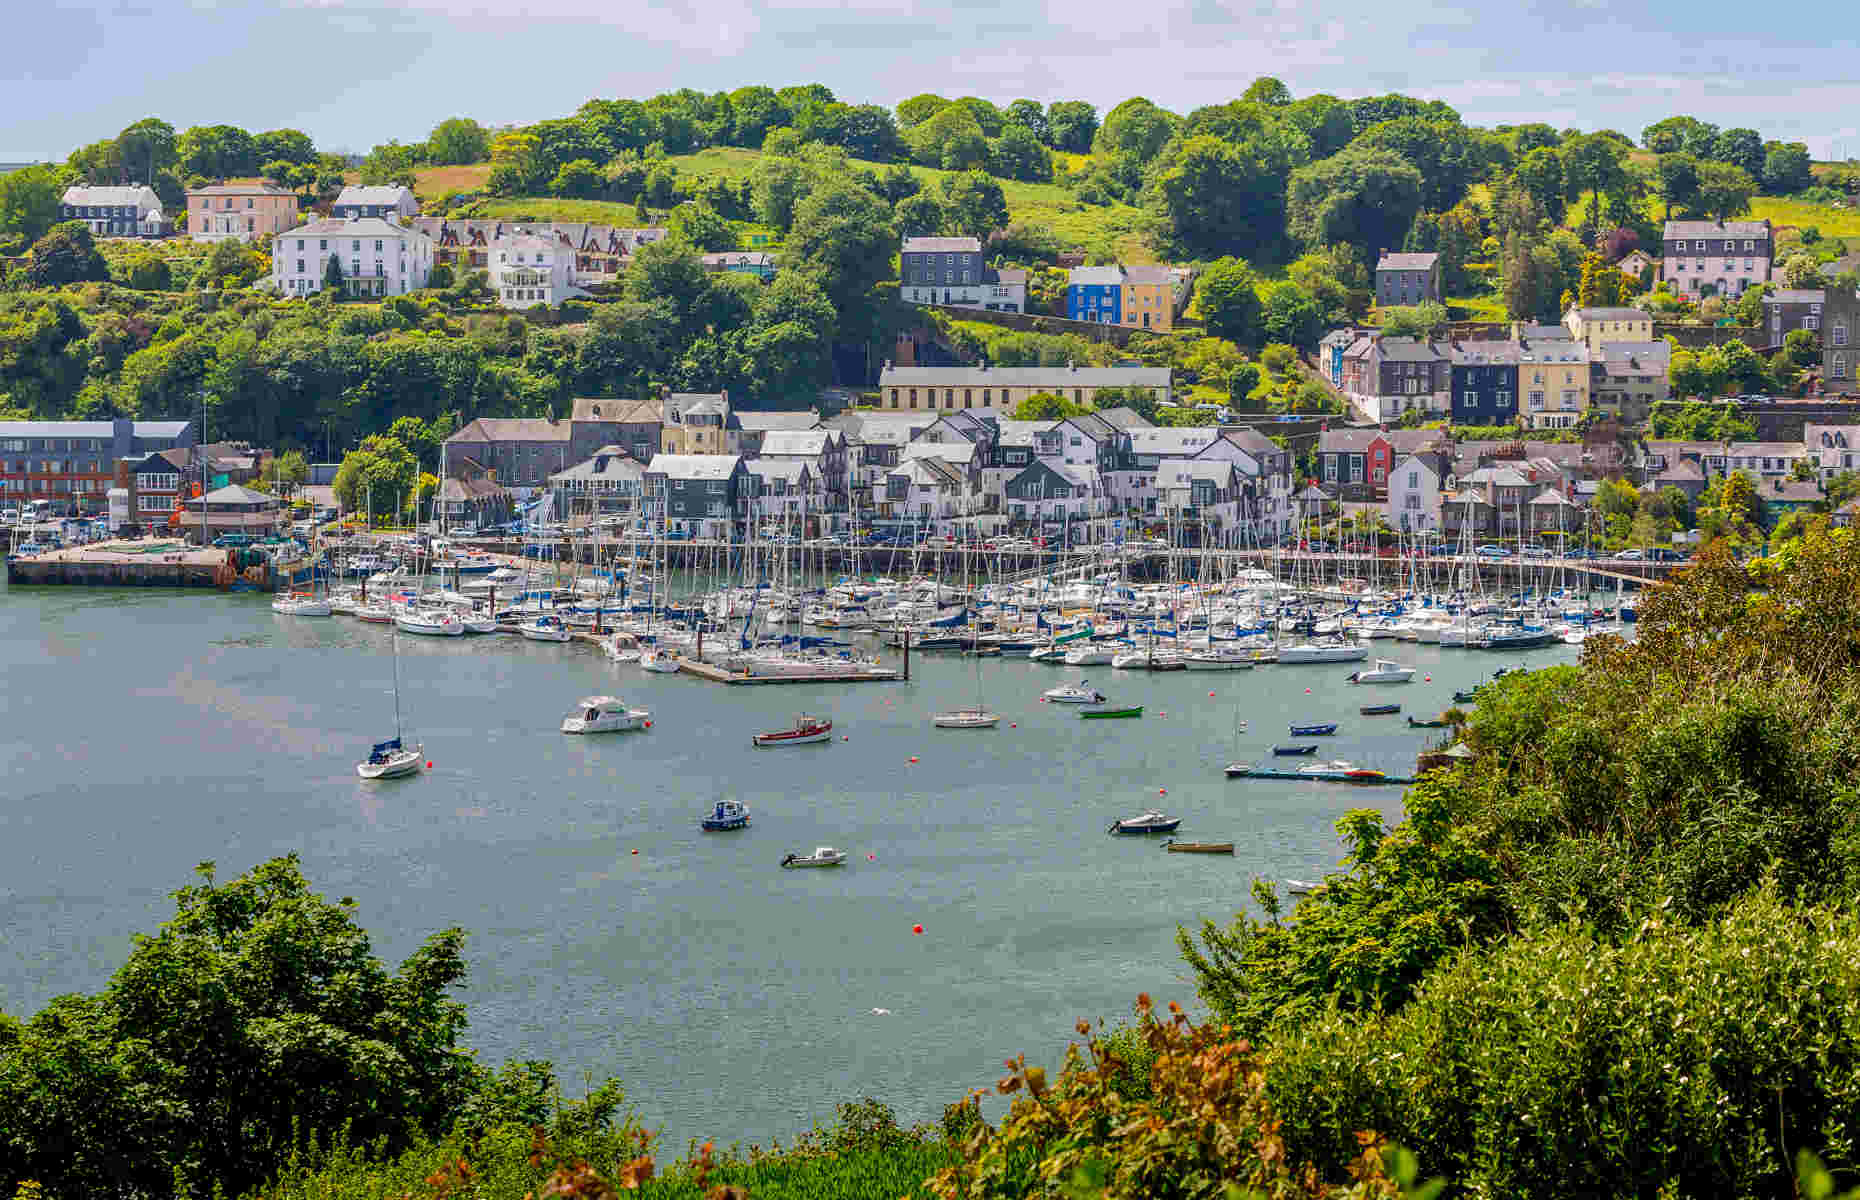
[(1553, 377), (1596, 327), (1149, 298)]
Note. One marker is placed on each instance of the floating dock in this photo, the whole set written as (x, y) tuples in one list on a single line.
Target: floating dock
[(852, 674)]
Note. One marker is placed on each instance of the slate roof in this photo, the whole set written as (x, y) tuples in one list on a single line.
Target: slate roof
[(1403, 349), (1111, 276), (693, 466), (89, 429), (1173, 441), (1179, 471), (932, 472), (241, 189), (1550, 497), (1346, 441), (768, 422), (609, 462), (808, 442), (351, 227), (1797, 296), (881, 429), (791, 469), (1252, 441), (140, 195), (1717, 229), (1685, 470), (942, 245), (1025, 377), (1125, 418), (1613, 314), (621, 411), (234, 493), (357, 193), (512, 429), (1407, 262), (949, 452)]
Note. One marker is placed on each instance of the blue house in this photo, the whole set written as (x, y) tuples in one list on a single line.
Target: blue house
[(1485, 382), (1331, 350), (1095, 294)]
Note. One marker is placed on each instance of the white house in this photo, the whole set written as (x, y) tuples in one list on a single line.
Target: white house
[(393, 201), (1836, 448), (376, 257), (789, 489), (922, 491), (1413, 504), (528, 269), (1204, 494), (1055, 492), (133, 211), (823, 450)]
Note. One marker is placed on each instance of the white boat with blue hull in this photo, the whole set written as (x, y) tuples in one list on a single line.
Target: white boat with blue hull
[(391, 760), (725, 816), (1151, 821)]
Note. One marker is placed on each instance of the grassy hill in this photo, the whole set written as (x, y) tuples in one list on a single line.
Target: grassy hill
[(1780, 210), (1114, 229)]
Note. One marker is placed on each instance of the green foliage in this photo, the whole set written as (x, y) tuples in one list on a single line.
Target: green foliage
[(1422, 320), (1136, 127), (30, 200), (150, 273), (1363, 196), (376, 476), (843, 239), (1693, 421), (702, 226), (457, 140), (1221, 194), (256, 1017), (1045, 406), (1227, 296), (65, 254), (973, 204)]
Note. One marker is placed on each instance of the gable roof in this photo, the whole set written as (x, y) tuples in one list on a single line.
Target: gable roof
[(241, 189), (1252, 441), (1047, 378), (1710, 229), (949, 452), (358, 193), (1177, 471), (1407, 262), (1346, 441), (1173, 441), (1126, 418), (808, 442), (512, 429), (1612, 314), (140, 195), (693, 466), (609, 462), (352, 227), (764, 422), (794, 470), (617, 411), (942, 245), (1797, 296)]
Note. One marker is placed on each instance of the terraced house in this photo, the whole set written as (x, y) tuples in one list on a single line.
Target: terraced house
[(947, 389), (132, 211), (1718, 258)]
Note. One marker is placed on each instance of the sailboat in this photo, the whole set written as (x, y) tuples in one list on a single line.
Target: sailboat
[(391, 759), (978, 717)]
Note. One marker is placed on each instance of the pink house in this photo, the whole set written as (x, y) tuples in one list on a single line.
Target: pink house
[(239, 210)]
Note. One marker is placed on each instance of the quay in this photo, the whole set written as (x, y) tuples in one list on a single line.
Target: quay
[(140, 564), (852, 674)]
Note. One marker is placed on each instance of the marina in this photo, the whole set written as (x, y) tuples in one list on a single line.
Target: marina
[(675, 966)]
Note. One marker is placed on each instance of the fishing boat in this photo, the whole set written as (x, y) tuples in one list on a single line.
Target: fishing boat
[(1314, 730), (1073, 693), (725, 816), (428, 622), (806, 731), (659, 661), (1436, 723), (966, 718), (391, 759), (302, 604), (604, 714), (1175, 847), (1379, 710), (1383, 672), (1111, 714), (1150, 821), (1300, 750), (823, 856), (545, 627)]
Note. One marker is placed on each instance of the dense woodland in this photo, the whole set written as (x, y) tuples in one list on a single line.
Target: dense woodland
[(1285, 201)]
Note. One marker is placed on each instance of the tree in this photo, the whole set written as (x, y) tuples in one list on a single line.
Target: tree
[(1268, 90), (844, 240), (150, 273), (1138, 128), (1335, 279), (284, 473), (1423, 320), (217, 151), (1677, 180), (1442, 151), (1045, 406), (1071, 125), (973, 204), (777, 185), (1741, 148), (382, 466), (1228, 298), (1724, 190), (147, 148), (1291, 315), (1540, 173), (699, 224), (1217, 196), (1675, 134), (920, 108), (951, 138), (457, 140), (1019, 154), (1787, 168), (153, 1080), (755, 110), (1326, 121), (1802, 270), (668, 272), (1240, 385), (517, 164), (288, 145), (31, 200), (1366, 198), (580, 178), (1031, 116), (332, 277), (919, 216), (65, 254)]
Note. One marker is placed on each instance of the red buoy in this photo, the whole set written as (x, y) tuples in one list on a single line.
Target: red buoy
[(913, 758), (917, 929), (429, 764), (1162, 791), (636, 851)]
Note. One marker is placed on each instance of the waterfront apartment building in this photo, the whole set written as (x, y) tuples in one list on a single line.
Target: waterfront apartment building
[(375, 257), (999, 389), (1720, 258), (73, 463), (239, 211), (132, 211), (393, 201), (699, 495)]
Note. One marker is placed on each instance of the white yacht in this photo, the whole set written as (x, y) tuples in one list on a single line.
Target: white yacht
[(1384, 672), (302, 604), (1091, 654), (659, 661), (1324, 652), (429, 622), (544, 628), (605, 714)]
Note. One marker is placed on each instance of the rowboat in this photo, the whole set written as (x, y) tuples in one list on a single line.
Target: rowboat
[(1296, 751), (823, 856), (727, 815), (1104, 714), (1436, 723), (1175, 847), (1150, 821), (1314, 730), (806, 731), (1379, 710)]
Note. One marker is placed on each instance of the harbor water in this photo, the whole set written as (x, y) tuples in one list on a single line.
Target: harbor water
[(144, 732)]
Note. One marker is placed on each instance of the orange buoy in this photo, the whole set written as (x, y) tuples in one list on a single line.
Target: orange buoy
[(917, 929), (1162, 791)]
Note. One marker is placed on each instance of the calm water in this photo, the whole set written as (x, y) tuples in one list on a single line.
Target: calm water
[(145, 732)]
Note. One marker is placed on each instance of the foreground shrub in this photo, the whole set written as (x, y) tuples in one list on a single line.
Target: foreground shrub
[(1697, 1058)]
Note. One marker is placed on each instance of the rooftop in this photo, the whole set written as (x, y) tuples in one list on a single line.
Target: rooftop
[(807, 442), (512, 429), (363, 227), (942, 245), (357, 193), (1407, 262), (1024, 377), (1612, 314), (90, 429), (1797, 296), (241, 189), (693, 466), (1707, 229), (621, 411)]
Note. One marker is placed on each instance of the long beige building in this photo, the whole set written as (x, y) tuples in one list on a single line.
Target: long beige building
[(945, 389), (240, 211)]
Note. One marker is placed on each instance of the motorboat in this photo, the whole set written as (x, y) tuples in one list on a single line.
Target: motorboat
[(1324, 730), (1149, 660), (1048, 654), (373, 613), (966, 718), (725, 816), (659, 661), (1073, 693), (805, 731), (479, 622), (391, 760), (1323, 652), (544, 628), (1383, 672), (1435, 723), (1150, 821), (302, 604), (823, 856), (429, 622), (1090, 655), (605, 714), (1300, 750), (1380, 710), (622, 647)]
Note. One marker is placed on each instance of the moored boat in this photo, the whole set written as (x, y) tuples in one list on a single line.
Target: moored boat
[(428, 622), (1436, 723), (605, 714), (725, 816), (1324, 730), (302, 604), (1383, 672), (543, 628), (966, 718), (659, 661), (1297, 751), (823, 856), (1379, 710), (1175, 847), (1078, 692), (805, 731), (1111, 714), (1150, 821), (391, 760)]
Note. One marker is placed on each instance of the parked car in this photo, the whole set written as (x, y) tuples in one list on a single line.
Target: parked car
[(234, 540), (1537, 552), (1631, 555), (1492, 550)]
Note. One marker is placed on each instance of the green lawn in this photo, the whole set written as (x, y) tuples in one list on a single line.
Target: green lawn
[(1780, 210), (1490, 307)]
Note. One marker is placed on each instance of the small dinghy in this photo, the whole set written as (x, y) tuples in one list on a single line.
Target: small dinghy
[(1175, 847), (823, 856), (1436, 723), (805, 731), (1145, 822), (1314, 730), (727, 815), (1107, 714), (1294, 751), (1379, 710)]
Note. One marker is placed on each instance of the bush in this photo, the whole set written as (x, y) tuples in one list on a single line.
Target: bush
[(1685, 1061), (150, 273), (1278, 358)]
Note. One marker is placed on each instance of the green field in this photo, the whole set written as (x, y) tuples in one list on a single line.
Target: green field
[(1115, 229), (1779, 210)]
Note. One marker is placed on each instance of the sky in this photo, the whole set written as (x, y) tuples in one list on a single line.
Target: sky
[(354, 73)]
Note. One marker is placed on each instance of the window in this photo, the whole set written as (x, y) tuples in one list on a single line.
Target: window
[(377, 246), (1840, 333), (1414, 479)]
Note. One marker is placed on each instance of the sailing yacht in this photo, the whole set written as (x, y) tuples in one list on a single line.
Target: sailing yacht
[(978, 717), (391, 759)]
